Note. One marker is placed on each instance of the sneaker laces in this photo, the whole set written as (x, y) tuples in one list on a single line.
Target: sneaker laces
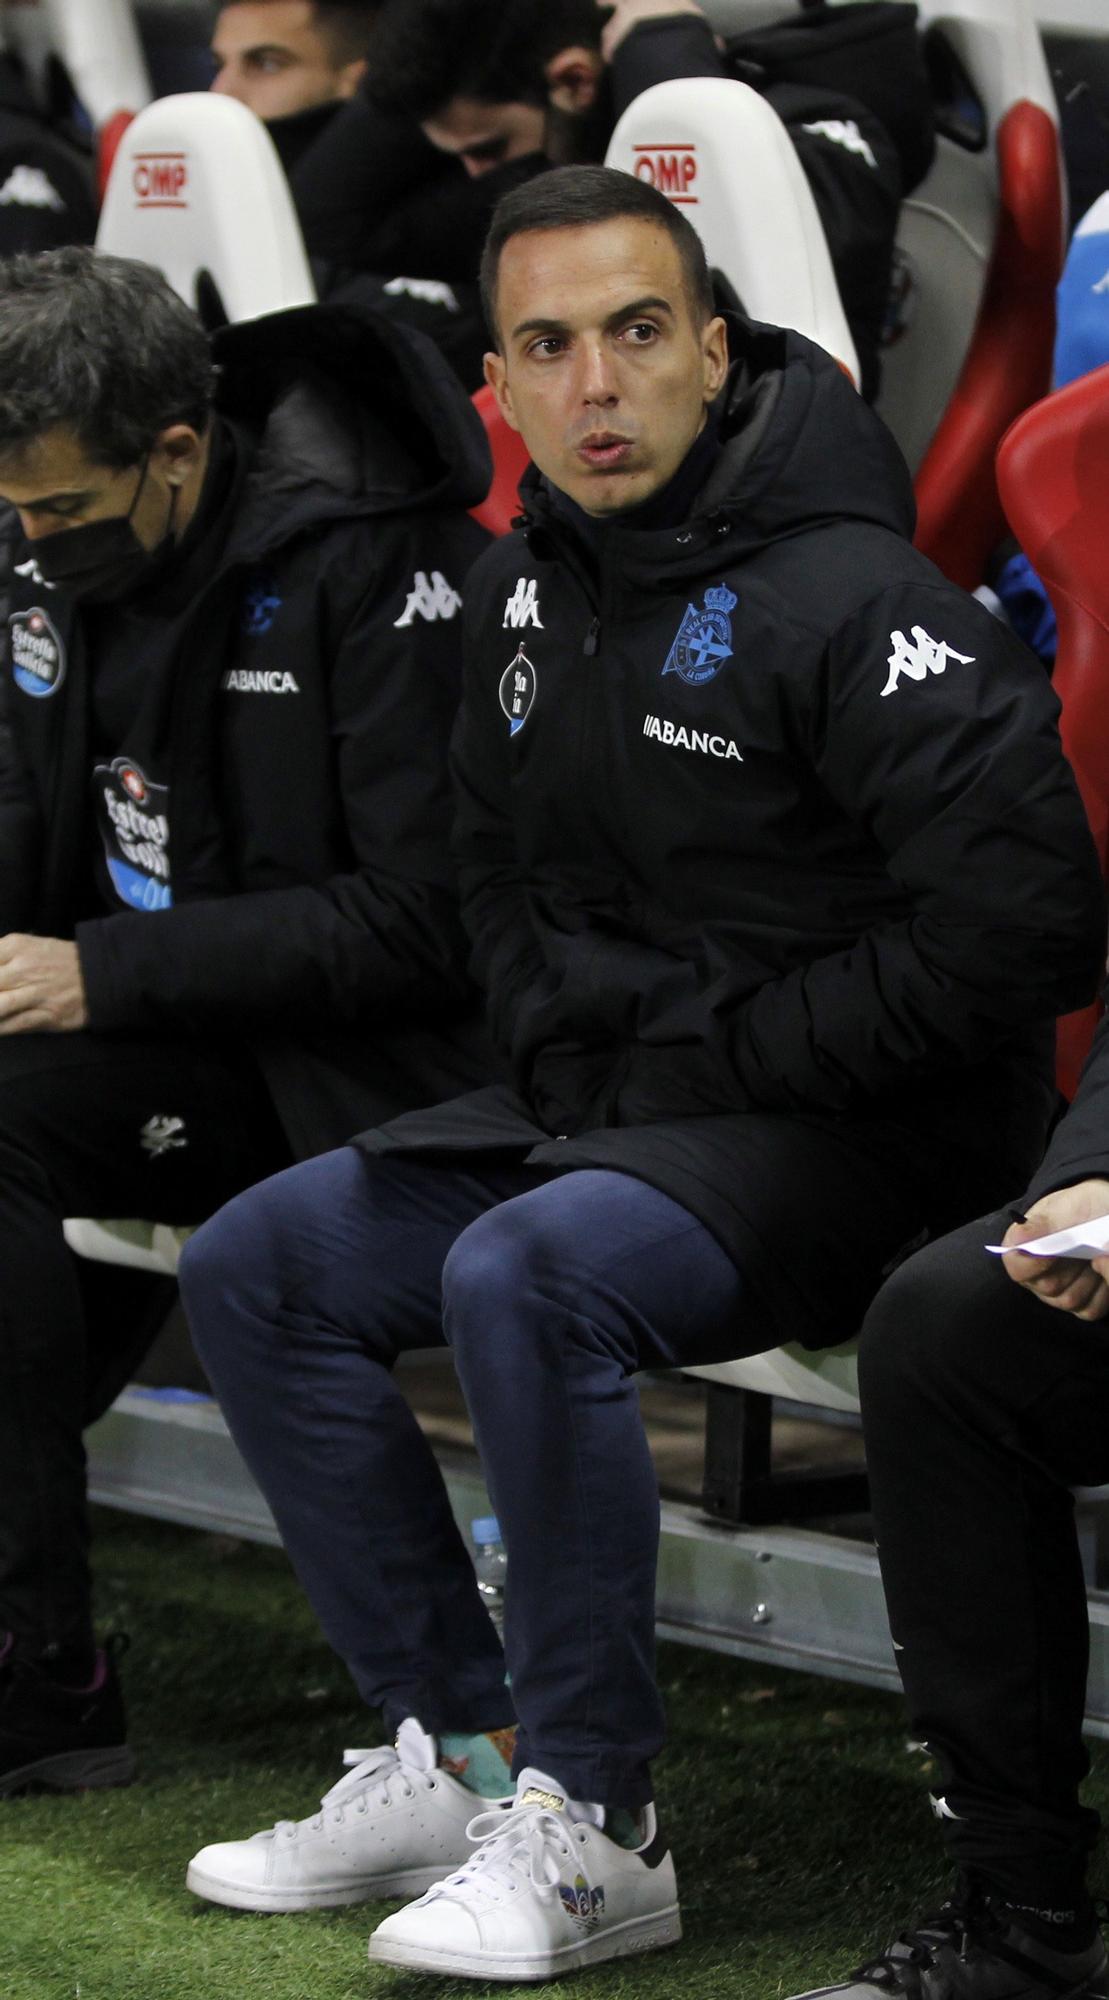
[(518, 1846), (381, 1779)]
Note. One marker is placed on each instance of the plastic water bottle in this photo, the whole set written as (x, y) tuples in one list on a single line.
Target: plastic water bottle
[(490, 1566)]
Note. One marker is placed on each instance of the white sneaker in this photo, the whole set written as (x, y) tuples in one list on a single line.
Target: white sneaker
[(392, 1827), (545, 1893)]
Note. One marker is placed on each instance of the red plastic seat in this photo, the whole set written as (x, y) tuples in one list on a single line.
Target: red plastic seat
[(1051, 471), (1008, 363), (501, 504)]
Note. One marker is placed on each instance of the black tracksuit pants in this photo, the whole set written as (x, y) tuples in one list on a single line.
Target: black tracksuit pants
[(103, 1126), (982, 1408)]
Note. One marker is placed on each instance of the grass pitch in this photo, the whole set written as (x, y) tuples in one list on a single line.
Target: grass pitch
[(799, 1819)]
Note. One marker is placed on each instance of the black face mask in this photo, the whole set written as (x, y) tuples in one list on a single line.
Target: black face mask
[(104, 561)]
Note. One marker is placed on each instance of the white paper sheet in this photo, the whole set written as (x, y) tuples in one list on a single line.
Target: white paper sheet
[(1085, 1241)]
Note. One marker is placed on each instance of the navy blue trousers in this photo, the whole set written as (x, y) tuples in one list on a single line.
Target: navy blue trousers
[(552, 1290)]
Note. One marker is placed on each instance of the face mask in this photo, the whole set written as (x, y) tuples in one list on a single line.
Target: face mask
[(104, 561)]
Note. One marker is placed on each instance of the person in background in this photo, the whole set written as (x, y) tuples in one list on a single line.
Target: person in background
[(542, 82), (229, 655), (744, 791), (46, 189)]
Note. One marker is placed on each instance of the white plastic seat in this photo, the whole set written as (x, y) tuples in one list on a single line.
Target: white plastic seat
[(719, 151), (197, 190), (95, 41)]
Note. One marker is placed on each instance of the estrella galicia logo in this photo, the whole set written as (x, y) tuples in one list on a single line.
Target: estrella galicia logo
[(261, 605), (704, 638), (38, 656), (517, 690)]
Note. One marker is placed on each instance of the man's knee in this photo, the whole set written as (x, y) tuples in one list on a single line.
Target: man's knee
[(232, 1256), (934, 1324)]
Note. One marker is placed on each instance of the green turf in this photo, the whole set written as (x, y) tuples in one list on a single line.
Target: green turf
[(799, 1819)]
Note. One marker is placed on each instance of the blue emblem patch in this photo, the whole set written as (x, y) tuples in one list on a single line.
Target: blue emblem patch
[(704, 638), (38, 656), (517, 690), (261, 605)]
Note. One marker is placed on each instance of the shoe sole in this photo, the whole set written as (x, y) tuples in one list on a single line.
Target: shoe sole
[(72, 1771), (321, 1896), (653, 1933)]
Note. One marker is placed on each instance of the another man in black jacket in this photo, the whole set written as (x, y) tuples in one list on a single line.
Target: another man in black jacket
[(497, 81), (228, 923), (983, 1409), (46, 189), (775, 877)]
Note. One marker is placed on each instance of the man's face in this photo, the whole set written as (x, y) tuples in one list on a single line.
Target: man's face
[(53, 484), (273, 56), (483, 136), (603, 367)]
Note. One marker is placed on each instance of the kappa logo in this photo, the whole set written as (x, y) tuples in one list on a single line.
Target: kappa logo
[(1102, 284), (30, 187), (254, 680), (522, 608), (430, 292), (677, 737), (31, 571), (941, 1808), (585, 1905), (843, 132), (163, 1135), (429, 598), (923, 657), (704, 638), (38, 656), (517, 690)]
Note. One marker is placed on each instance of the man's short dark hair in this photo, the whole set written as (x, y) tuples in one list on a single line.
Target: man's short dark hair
[(99, 346), (567, 198), (427, 52), (346, 24)]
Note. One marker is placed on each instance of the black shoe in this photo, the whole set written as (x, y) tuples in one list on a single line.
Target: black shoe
[(59, 1738), (975, 1948)]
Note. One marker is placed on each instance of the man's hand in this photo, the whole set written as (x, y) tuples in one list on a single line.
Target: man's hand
[(41, 988), (1067, 1282), (627, 14)]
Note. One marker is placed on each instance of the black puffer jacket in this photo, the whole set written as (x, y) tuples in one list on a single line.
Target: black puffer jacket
[(773, 866), (314, 903)]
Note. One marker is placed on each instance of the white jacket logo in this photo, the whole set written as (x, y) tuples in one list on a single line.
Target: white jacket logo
[(29, 187), (256, 680), (843, 132), (925, 656), (431, 599), (681, 738), (522, 607)]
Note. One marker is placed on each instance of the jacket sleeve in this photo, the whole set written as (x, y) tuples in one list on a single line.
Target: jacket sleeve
[(382, 935), (1079, 1149), (506, 958), (673, 45), (936, 734)]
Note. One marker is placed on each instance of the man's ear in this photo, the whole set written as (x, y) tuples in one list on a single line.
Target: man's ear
[(572, 79), (350, 77), (714, 348), (496, 376), (179, 448)]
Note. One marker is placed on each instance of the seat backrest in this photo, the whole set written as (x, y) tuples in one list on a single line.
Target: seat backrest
[(501, 504), (981, 241), (717, 150), (96, 43), (197, 190), (1051, 471)]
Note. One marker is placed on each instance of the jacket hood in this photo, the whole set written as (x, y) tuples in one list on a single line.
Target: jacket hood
[(356, 414), (800, 448)]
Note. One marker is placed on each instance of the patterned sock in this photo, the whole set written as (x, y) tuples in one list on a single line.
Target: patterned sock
[(482, 1763), (623, 1827)]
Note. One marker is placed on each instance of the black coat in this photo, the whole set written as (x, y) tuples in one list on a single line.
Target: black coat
[(781, 877), (315, 907), (46, 191)]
